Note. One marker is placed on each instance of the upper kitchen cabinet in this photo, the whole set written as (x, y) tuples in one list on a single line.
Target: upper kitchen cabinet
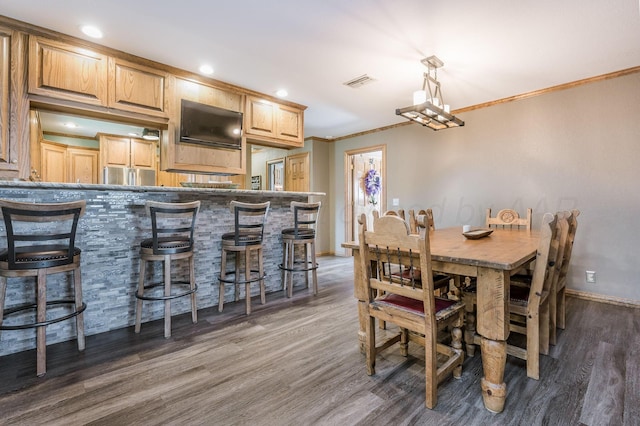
[(67, 72), (273, 124), (137, 88), (118, 151)]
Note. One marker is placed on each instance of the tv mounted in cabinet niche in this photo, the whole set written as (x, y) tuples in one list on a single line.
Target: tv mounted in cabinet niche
[(210, 126)]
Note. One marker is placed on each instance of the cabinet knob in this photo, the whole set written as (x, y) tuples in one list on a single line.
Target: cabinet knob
[(14, 161)]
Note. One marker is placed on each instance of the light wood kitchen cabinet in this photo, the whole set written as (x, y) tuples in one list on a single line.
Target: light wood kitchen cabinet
[(67, 72), (82, 165), (53, 162), (273, 124), (120, 151), (137, 88), (62, 163)]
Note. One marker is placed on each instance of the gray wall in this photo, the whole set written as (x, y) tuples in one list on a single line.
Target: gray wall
[(575, 148)]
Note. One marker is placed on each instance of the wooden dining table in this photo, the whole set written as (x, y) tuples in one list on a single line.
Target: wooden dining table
[(492, 260)]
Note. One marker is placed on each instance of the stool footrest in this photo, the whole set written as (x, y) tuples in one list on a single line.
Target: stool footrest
[(253, 278), (21, 308), (312, 267), (173, 296)]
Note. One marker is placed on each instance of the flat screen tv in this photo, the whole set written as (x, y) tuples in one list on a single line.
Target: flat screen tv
[(210, 126)]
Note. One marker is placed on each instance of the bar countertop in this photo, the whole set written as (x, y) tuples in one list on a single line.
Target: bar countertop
[(165, 189)]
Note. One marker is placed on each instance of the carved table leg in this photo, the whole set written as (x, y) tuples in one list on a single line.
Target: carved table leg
[(494, 390), (493, 326)]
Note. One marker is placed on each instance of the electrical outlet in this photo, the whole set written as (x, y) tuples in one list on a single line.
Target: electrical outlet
[(591, 276), (396, 202)]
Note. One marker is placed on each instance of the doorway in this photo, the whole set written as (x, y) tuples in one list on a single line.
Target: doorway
[(358, 163)]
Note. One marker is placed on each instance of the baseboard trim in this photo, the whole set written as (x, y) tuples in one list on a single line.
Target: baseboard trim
[(618, 301)]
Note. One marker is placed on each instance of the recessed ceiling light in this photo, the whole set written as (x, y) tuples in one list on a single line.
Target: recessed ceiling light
[(206, 69), (70, 125), (91, 31), (282, 93)]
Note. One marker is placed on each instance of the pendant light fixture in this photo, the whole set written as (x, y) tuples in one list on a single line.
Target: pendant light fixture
[(428, 108)]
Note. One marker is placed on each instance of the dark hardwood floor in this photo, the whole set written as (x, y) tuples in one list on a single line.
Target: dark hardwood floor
[(296, 362)]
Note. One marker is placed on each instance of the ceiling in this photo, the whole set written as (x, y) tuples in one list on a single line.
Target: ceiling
[(491, 49)]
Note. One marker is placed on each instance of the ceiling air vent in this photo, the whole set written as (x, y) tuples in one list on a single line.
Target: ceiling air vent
[(359, 81)]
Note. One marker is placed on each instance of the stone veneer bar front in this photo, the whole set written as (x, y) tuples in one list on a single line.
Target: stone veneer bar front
[(109, 235)]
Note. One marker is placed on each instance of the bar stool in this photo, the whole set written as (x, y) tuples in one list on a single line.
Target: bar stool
[(41, 242), (303, 233), (249, 220), (172, 226)]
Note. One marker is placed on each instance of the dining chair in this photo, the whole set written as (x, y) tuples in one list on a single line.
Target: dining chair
[(508, 218), (443, 283), (562, 279), (505, 219), (529, 310), (524, 280), (529, 305), (412, 307)]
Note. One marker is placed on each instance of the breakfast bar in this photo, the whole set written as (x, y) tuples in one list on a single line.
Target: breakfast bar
[(109, 235)]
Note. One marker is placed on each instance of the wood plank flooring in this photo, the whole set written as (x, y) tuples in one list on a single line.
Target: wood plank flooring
[(296, 362)]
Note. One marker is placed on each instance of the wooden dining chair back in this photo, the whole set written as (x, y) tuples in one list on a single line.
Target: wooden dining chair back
[(508, 218), (402, 301), (399, 213), (418, 224), (530, 304), (413, 223), (562, 278)]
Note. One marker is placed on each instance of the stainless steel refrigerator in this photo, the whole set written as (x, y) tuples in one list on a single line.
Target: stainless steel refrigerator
[(129, 176)]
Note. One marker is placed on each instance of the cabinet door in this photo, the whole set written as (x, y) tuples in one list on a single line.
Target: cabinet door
[(83, 165), (115, 151), (260, 117), (5, 64), (143, 154), (289, 124), (67, 72), (136, 88), (275, 124), (54, 162)]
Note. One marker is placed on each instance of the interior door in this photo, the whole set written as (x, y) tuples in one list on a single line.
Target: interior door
[(358, 163), (297, 173), (362, 163)]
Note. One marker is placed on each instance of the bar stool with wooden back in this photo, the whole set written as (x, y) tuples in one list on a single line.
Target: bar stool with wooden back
[(249, 222), (303, 233), (172, 226), (41, 242)]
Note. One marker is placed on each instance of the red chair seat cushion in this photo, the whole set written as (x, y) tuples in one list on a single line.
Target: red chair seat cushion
[(414, 305)]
